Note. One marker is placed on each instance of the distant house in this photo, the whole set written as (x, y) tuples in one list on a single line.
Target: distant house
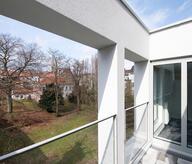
[(129, 74), (129, 79), (30, 86), (68, 87), (27, 86), (65, 81)]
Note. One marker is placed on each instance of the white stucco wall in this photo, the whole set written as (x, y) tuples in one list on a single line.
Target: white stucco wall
[(111, 101), (172, 42), (95, 23), (109, 18), (141, 89)]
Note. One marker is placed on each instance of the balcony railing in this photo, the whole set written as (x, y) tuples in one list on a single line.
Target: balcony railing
[(31, 151), (136, 137), (136, 130)]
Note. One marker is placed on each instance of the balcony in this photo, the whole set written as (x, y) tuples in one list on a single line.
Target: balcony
[(136, 141), (158, 128)]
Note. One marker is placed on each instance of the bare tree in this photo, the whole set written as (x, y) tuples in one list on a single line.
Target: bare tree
[(129, 97), (59, 62), (94, 72), (88, 86), (15, 58), (77, 69)]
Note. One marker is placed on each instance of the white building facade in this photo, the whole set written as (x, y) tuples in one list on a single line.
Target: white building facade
[(162, 70)]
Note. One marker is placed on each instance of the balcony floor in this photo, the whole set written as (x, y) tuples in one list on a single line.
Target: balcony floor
[(159, 157), (132, 146)]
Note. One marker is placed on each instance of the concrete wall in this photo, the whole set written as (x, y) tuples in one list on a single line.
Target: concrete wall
[(172, 42), (109, 18), (141, 95), (111, 101), (95, 23)]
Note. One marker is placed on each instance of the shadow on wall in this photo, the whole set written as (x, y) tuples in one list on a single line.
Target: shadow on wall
[(139, 72), (105, 62), (141, 126), (109, 147)]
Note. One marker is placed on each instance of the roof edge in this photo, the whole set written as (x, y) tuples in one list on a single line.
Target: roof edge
[(125, 3), (173, 25), (166, 27)]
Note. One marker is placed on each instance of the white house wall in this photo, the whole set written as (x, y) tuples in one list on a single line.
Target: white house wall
[(110, 18), (95, 23), (111, 101), (172, 42)]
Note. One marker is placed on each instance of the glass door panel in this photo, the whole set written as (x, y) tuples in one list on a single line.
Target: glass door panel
[(189, 104), (167, 101)]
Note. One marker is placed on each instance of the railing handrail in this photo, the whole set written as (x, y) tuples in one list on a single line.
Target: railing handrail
[(136, 106), (52, 139), (60, 136)]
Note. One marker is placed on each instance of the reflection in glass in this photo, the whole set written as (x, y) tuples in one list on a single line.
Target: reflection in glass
[(167, 101), (189, 105)]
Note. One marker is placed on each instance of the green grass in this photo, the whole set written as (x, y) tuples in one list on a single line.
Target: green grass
[(60, 125), (78, 148), (26, 104), (69, 106)]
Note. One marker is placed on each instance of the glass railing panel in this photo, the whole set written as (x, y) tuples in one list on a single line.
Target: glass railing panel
[(129, 123), (80, 147), (107, 141), (136, 131), (77, 146), (37, 126)]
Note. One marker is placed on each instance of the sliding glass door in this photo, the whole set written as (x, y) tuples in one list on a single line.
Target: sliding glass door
[(189, 104), (167, 101), (172, 103)]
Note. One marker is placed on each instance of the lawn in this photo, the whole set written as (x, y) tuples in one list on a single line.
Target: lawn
[(78, 148)]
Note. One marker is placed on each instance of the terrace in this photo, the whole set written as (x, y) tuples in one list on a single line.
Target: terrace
[(162, 67)]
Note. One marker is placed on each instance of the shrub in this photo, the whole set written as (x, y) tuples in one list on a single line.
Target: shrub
[(47, 99), (72, 98)]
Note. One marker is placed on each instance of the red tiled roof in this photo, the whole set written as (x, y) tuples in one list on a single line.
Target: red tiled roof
[(49, 78)]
